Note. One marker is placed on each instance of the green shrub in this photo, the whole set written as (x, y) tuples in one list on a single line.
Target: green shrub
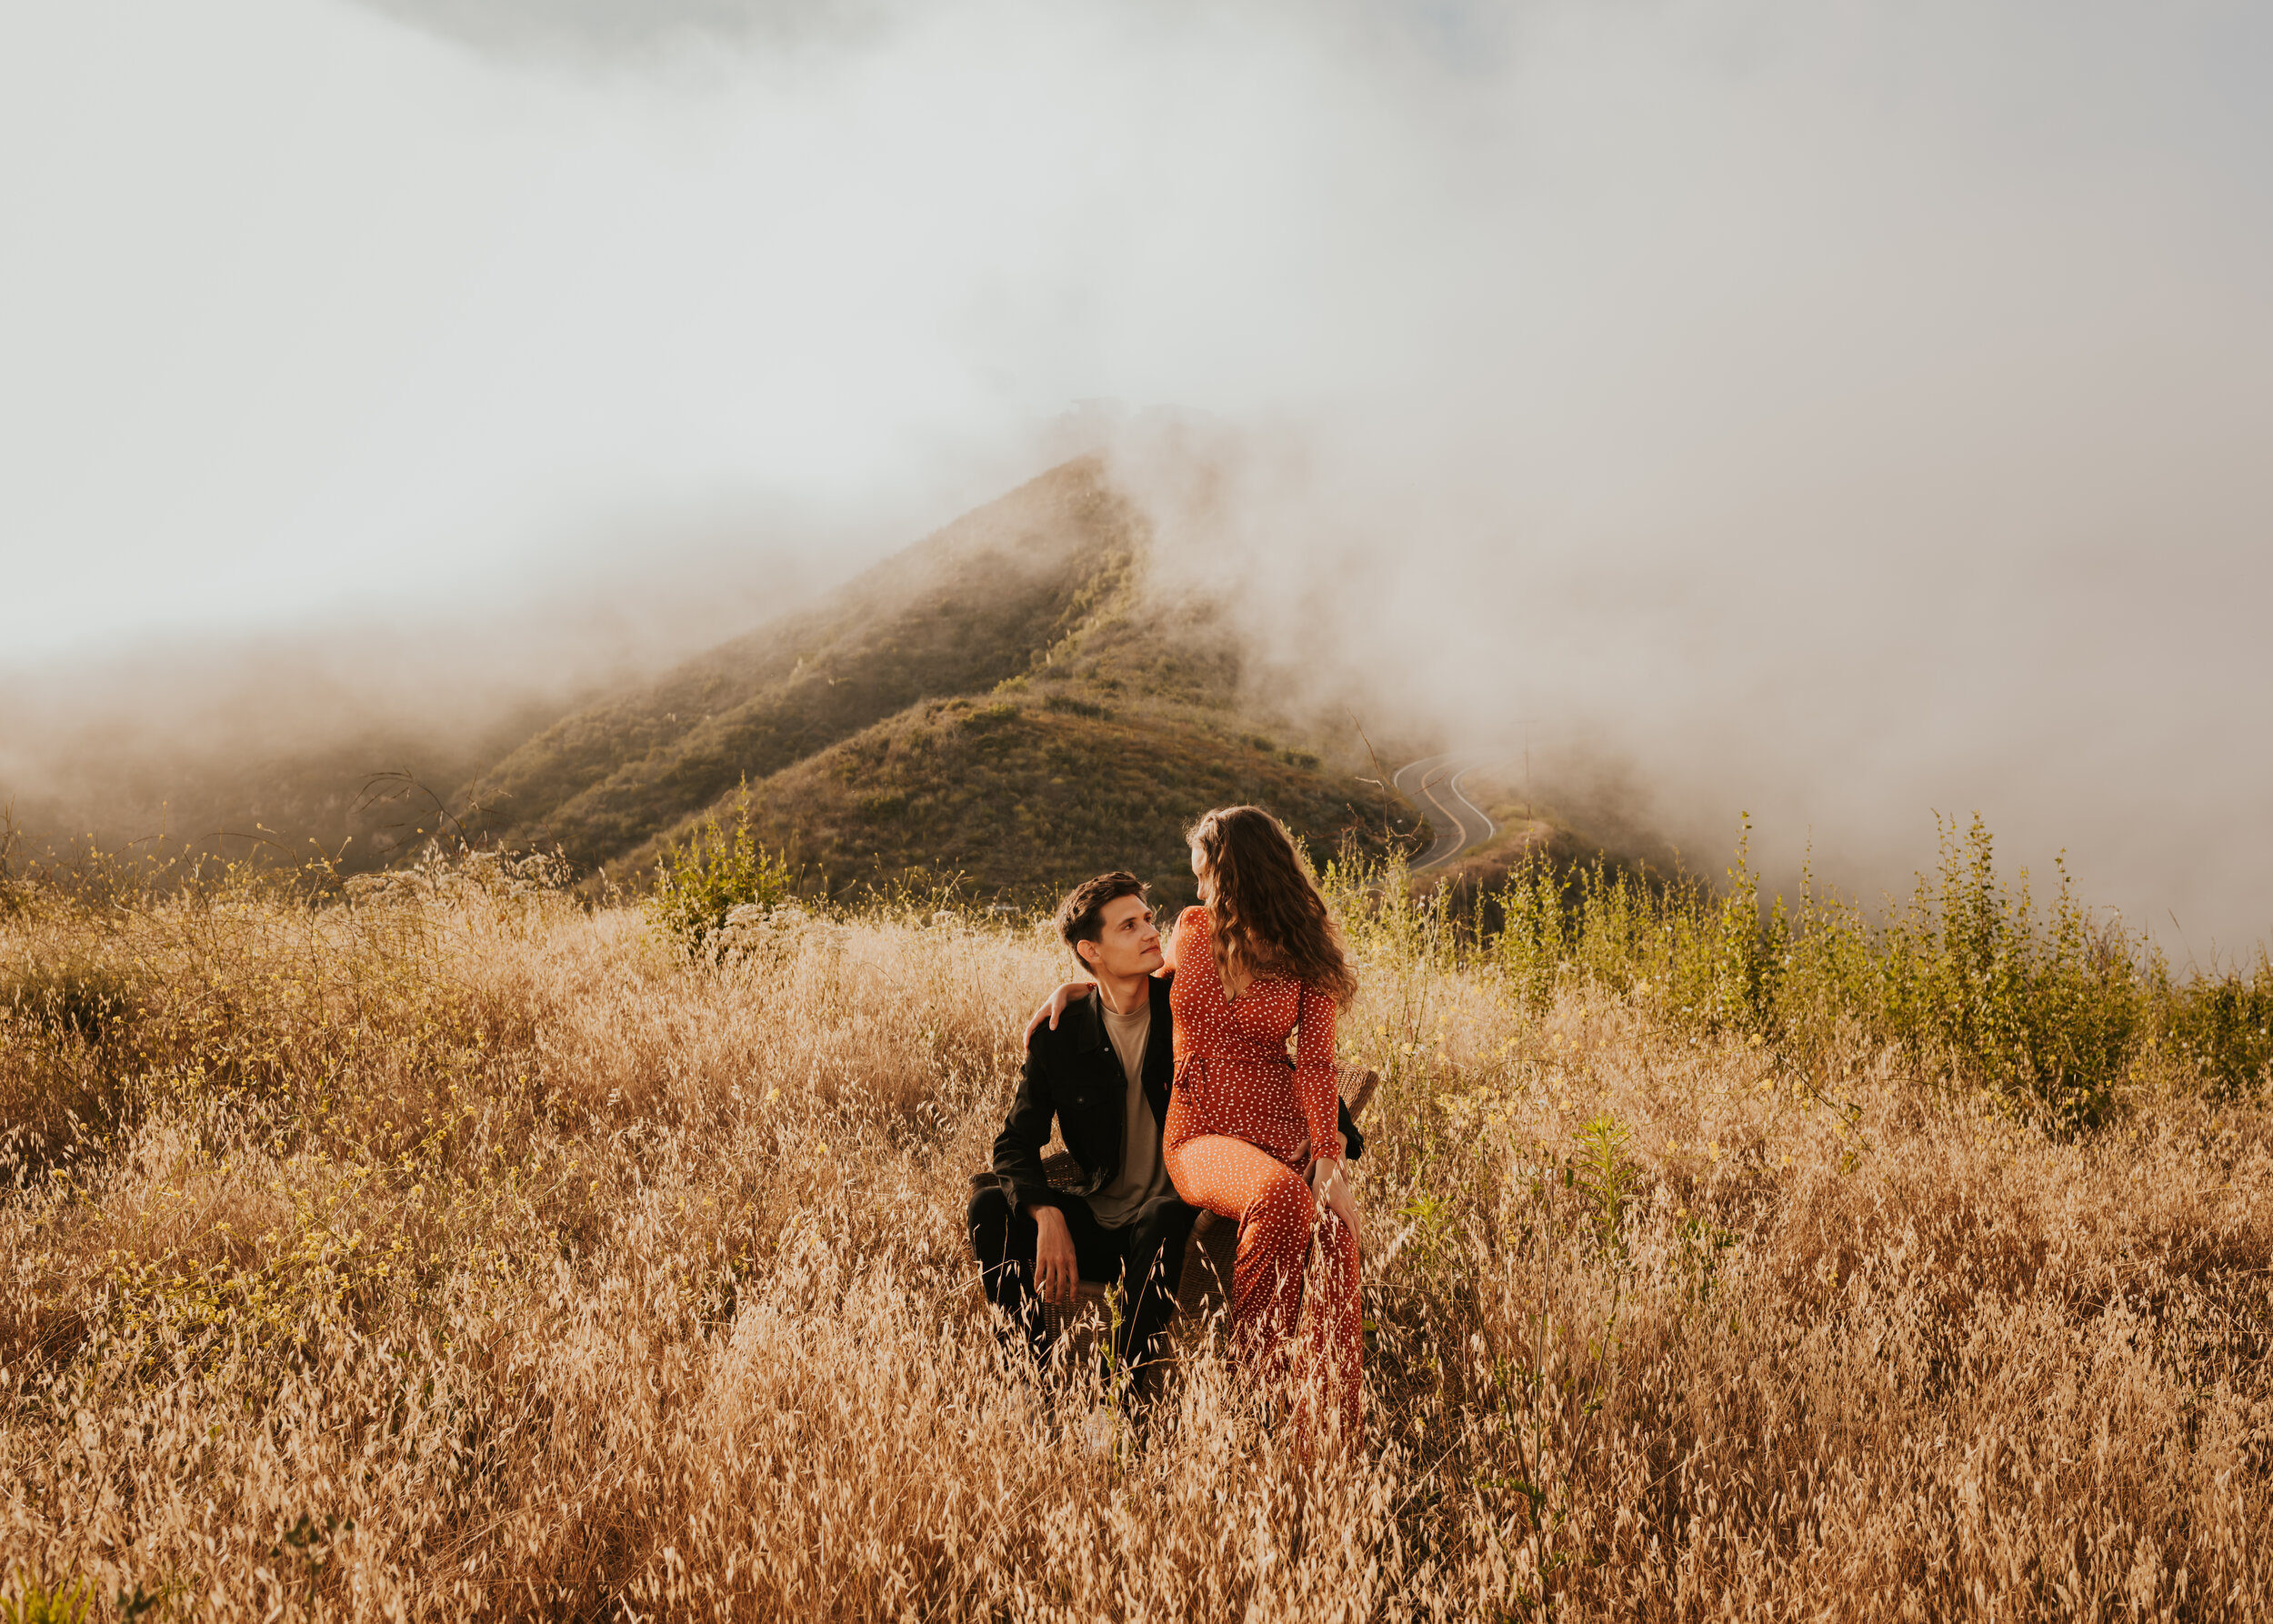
[(698, 886), (2222, 1023), (35, 1602), (1709, 960), (2046, 1008)]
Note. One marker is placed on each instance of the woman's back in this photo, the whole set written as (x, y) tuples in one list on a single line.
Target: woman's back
[(1232, 1070)]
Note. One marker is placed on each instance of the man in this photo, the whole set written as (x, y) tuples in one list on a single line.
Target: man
[(1102, 1072)]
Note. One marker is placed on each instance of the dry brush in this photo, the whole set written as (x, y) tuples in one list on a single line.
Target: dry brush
[(464, 1252)]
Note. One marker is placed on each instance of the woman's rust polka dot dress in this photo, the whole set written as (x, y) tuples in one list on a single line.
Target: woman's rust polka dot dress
[(1241, 1129)]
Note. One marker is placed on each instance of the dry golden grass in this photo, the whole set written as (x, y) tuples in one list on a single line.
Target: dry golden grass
[(466, 1253)]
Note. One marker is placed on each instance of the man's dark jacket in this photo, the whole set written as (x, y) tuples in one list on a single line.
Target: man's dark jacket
[(1071, 1074)]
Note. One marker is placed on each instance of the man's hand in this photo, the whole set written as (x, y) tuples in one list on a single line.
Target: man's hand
[(1056, 1004), (1057, 1271), (1329, 1184)]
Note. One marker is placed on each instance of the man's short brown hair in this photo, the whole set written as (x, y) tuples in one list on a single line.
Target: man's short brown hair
[(1080, 916)]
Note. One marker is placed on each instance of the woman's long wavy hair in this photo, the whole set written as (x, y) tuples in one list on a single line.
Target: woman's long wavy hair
[(1270, 919)]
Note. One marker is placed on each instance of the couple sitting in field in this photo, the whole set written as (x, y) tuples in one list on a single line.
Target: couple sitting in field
[(1175, 1093)]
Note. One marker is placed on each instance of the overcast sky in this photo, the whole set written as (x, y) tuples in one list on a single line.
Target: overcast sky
[(1847, 410)]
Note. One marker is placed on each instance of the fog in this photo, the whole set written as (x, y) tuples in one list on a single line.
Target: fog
[(1835, 413)]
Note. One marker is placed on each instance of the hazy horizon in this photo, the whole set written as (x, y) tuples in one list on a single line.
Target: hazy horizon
[(1838, 415)]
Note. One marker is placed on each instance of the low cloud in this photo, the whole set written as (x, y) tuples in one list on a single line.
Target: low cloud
[(1841, 415), (608, 29)]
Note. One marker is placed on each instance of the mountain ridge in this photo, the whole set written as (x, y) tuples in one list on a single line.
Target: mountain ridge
[(1008, 700), (955, 613)]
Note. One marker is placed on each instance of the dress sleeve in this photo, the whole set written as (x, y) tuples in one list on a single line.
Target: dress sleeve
[(1314, 1088)]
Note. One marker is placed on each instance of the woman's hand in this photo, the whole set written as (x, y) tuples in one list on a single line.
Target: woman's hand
[(1056, 1005), (1331, 1186)]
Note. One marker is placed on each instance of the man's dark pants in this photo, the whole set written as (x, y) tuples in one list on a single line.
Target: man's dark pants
[(1145, 1256)]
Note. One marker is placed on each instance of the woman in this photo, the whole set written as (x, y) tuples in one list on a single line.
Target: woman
[(1247, 1138)]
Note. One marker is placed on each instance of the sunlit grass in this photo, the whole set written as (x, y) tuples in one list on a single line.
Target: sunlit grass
[(447, 1248)]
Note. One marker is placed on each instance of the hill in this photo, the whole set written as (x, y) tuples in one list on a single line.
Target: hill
[(1580, 818), (1016, 791), (1005, 700), (1014, 698), (975, 603)]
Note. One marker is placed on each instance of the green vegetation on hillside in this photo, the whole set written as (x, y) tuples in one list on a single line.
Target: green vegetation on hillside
[(988, 598), (1014, 792), (1007, 702)]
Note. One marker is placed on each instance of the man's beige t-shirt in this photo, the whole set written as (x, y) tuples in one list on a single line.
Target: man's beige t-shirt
[(1142, 1176)]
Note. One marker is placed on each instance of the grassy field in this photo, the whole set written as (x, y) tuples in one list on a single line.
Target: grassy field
[(448, 1248)]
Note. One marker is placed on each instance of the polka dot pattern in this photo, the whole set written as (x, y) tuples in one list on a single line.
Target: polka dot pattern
[(1237, 1142)]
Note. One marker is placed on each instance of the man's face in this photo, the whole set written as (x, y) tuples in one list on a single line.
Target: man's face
[(1127, 943)]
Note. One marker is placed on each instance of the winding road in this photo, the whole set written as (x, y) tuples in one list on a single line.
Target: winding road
[(1433, 784)]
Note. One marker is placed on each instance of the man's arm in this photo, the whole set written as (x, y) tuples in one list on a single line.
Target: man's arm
[(1018, 1147), (1018, 1161)]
